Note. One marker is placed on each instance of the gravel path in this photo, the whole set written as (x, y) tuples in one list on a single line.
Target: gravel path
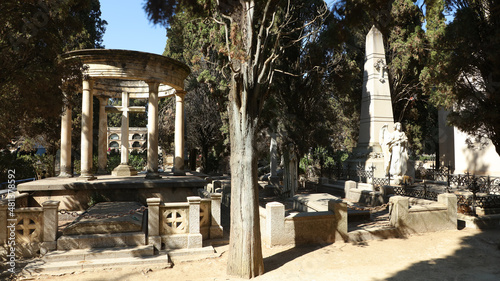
[(466, 254)]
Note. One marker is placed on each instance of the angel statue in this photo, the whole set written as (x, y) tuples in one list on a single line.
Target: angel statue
[(398, 147)]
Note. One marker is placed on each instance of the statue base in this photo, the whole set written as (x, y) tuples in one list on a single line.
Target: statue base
[(124, 170)]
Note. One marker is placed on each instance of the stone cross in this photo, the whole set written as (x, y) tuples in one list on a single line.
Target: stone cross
[(124, 169)]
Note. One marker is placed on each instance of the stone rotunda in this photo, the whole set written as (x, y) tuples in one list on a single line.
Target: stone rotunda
[(127, 75)]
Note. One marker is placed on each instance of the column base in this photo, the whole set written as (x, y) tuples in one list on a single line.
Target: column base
[(178, 172), (102, 172), (65, 175), (124, 170), (86, 178), (153, 176)]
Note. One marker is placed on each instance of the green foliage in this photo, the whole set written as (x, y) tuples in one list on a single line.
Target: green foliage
[(197, 43), (114, 159), (400, 22), (22, 165), (97, 197), (34, 35), (464, 74), (78, 165), (138, 160)]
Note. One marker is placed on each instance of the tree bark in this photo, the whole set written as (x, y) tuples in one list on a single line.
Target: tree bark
[(245, 251)]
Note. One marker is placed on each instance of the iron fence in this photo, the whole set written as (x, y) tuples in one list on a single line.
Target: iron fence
[(484, 190)]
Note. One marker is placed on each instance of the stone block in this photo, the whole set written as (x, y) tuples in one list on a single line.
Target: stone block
[(348, 186), (94, 221), (216, 224), (339, 209), (194, 241), (275, 223), (124, 170), (69, 242)]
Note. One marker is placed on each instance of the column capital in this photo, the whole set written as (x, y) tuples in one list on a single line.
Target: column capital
[(153, 84), (89, 80), (180, 94), (102, 99)]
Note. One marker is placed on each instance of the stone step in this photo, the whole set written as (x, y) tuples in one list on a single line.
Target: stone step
[(374, 233), (99, 253), (182, 255), (357, 215), (88, 241), (81, 265)]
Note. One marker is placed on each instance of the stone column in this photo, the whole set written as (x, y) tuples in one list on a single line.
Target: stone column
[(154, 222), (50, 223), (179, 133), (124, 129), (65, 170), (86, 137), (124, 169), (195, 239), (103, 135), (153, 131)]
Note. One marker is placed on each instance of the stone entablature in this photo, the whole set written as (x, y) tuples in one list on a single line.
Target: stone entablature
[(131, 65)]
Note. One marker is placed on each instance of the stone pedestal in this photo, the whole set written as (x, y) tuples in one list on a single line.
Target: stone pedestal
[(154, 237), (124, 170), (195, 239), (50, 223), (216, 230), (275, 223)]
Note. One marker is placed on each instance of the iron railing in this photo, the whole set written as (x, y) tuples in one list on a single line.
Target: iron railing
[(485, 190)]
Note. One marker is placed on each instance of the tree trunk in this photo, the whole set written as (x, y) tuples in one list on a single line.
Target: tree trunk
[(245, 252)]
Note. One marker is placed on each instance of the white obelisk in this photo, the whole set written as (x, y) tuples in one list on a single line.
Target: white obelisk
[(376, 105)]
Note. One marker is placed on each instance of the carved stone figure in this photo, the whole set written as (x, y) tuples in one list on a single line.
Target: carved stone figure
[(398, 147)]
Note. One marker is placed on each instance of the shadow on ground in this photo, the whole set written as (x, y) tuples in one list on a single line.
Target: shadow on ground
[(477, 259)]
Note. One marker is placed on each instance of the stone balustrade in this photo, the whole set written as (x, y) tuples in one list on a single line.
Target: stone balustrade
[(33, 229), (183, 225)]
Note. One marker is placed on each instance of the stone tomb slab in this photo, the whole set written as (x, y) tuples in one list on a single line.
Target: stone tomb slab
[(120, 220)]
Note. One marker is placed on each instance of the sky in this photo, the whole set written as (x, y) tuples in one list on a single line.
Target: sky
[(128, 27)]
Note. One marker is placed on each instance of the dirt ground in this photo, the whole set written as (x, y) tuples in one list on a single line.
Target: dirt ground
[(466, 254)]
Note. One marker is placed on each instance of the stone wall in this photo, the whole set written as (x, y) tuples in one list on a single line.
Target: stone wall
[(429, 217), (303, 228)]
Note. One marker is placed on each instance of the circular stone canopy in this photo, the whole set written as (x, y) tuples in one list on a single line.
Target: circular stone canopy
[(118, 71)]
